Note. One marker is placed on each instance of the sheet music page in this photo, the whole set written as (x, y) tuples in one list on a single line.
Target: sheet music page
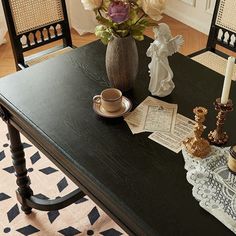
[(160, 118), (137, 116), (173, 141), (135, 129), (159, 111)]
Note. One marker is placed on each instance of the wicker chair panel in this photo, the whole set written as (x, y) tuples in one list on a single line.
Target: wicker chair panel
[(214, 62), (48, 56), (226, 15), (33, 14)]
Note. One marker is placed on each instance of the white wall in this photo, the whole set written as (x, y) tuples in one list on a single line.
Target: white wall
[(195, 13)]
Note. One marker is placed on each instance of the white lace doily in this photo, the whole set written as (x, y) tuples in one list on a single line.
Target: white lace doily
[(214, 186)]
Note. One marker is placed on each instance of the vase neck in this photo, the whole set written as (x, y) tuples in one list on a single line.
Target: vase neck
[(122, 38)]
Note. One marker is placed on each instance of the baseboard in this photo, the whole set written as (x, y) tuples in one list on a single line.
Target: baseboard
[(194, 23)]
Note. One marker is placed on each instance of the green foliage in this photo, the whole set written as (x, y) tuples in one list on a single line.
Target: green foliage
[(104, 33)]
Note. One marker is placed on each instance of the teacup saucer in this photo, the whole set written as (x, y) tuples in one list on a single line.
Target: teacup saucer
[(126, 107)]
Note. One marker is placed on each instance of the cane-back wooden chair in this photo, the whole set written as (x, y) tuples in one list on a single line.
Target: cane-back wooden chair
[(222, 33), (34, 23)]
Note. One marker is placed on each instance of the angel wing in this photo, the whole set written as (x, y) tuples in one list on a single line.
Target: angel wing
[(174, 44)]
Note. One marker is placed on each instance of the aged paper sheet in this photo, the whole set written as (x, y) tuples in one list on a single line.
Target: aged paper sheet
[(173, 141), (152, 115), (135, 129), (160, 118)]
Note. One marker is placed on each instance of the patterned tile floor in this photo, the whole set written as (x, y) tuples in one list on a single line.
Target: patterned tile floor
[(82, 218)]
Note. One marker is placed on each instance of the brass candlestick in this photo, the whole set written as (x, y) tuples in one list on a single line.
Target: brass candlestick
[(218, 136), (196, 145)]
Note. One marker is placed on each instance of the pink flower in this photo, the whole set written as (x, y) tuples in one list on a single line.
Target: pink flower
[(119, 11)]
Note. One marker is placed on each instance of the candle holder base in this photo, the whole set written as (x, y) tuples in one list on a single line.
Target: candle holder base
[(196, 145), (198, 148), (218, 139), (218, 136)]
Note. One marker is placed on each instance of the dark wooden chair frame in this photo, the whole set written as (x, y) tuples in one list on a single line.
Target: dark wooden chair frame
[(17, 47), (213, 39)]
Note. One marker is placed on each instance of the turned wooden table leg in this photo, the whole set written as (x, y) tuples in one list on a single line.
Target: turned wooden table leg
[(24, 193), (18, 159)]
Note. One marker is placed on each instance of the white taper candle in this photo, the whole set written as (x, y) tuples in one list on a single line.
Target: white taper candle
[(227, 81)]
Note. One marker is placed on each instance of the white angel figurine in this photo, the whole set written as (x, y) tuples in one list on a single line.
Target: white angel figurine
[(164, 45)]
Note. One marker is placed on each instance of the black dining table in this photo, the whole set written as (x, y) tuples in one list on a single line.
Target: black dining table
[(140, 184)]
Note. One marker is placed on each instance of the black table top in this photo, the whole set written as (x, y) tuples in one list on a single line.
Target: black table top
[(139, 182)]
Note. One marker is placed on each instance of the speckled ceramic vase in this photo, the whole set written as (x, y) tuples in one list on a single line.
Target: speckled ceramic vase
[(122, 63)]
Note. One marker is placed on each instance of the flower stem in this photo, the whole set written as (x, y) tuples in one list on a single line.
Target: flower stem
[(100, 14), (143, 15)]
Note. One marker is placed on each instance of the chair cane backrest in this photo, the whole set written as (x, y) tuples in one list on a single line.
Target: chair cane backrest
[(223, 26), (33, 23)]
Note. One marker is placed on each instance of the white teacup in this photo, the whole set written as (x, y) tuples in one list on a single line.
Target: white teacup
[(110, 99)]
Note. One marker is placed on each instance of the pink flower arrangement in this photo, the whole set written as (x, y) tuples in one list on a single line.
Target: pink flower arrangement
[(122, 18)]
